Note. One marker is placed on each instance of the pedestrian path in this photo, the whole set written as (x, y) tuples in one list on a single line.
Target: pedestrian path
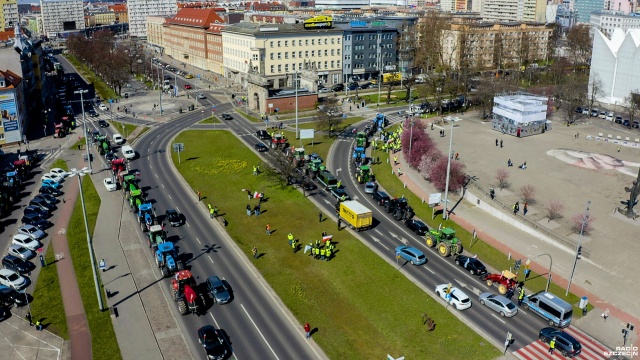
[(591, 349)]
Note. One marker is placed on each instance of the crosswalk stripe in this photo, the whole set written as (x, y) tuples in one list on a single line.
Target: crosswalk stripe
[(591, 348)]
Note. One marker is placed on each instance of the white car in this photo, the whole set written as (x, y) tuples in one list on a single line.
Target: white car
[(585, 111), (31, 231), (21, 252), (110, 185), (103, 107), (609, 116), (25, 241), (453, 296), (54, 177), (12, 279), (118, 139), (59, 172)]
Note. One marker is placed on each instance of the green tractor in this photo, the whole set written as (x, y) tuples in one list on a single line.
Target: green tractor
[(129, 182), (157, 236), (296, 156), (446, 240), (361, 139), (314, 167), (103, 144), (135, 199), (365, 174)]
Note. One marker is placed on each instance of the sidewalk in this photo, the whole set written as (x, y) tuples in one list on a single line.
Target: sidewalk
[(490, 229)]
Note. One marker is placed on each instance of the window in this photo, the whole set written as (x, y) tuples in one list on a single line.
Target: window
[(271, 56), (326, 53), (279, 56), (278, 43), (272, 69), (332, 52), (255, 57), (347, 57), (332, 64), (286, 55), (299, 42), (550, 310), (306, 42), (306, 54), (279, 68), (286, 67), (313, 41), (299, 54), (319, 53), (293, 54), (293, 67), (333, 41), (325, 64), (338, 52), (326, 41), (271, 43), (286, 43), (313, 53)]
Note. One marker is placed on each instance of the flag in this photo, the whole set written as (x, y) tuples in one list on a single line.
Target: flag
[(325, 238)]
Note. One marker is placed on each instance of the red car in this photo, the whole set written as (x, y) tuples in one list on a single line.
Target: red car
[(187, 86)]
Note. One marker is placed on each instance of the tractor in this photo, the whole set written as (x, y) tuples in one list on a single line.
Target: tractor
[(364, 174), (22, 167), (314, 166), (399, 208), (146, 216), (359, 156), (129, 183), (361, 139), (156, 236), (59, 131), (296, 156), (277, 141), (135, 199), (184, 292), (118, 165), (167, 259), (103, 144), (380, 122), (446, 240), (505, 280)]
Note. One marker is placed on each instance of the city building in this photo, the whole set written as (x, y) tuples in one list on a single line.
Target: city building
[(8, 14), (341, 4), (139, 10), (624, 6), (566, 18), (608, 21), (520, 115), (485, 45), (214, 50), (370, 49), (584, 8), (184, 35), (61, 15), (104, 17), (616, 64), (12, 107), (122, 15), (514, 10), (33, 22), (448, 6), (155, 30)]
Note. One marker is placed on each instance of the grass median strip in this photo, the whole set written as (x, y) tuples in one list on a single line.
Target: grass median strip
[(123, 128), (100, 86), (249, 117), (103, 338), (486, 253), (362, 306)]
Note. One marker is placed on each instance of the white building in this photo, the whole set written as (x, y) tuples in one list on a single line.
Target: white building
[(514, 10), (616, 64), (520, 114), (376, 3), (607, 21), (140, 9), (341, 4), (61, 15), (447, 6)]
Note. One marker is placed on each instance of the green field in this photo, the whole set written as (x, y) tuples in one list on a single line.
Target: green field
[(103, 338), (362, 306), (489, 255), (212, 120), (126, 131)]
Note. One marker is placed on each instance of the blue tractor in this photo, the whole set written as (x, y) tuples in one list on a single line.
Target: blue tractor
[(380, 121), (146, 216), (359, 154), (167, 259)]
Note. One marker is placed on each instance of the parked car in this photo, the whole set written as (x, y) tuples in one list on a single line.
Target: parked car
[(17, 264), (602, 115), (12, 279), (626, 123), (109, 184), (214, 342), (263, 135), (50, 183), (337, 87), (174, 217), (635, 124), (585, 111), (261, 147), (566, 344), (370, 187), (471, 264), (10, 297), (381, 197), (26, 241), (103, 123), (48, 190), (34, 210), (453, 296), (32, 232), (42, 204), (499, 304), (595, 112), (52, 177), (411, 254), (417, 226), (36, 220), (609, 116), (103, 107), (48, 198), (21, 252), (323, 90), (118, 139), (60, 172), (218, 290), (618, 119), (579, 110)]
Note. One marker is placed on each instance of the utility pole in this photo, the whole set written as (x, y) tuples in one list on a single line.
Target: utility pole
[(84, 125), (296, 85), (446, 186), (585, 220)]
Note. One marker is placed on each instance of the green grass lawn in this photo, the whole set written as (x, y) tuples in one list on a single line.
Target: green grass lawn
[(80, 141), (249, 117), (487, 254), (117, 126), (212, 120), (103, 338), (348, 298), (100, 86), (59, 163)]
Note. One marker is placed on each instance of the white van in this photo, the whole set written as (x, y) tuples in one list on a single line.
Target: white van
[(128, 153), (118, 139)]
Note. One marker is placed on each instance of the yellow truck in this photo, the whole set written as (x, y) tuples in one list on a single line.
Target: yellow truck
[(356, 215)]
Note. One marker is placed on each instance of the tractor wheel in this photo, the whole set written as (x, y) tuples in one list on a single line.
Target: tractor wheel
[(444, 249), (458, 248), (157, 262), (489, 283), (165, 272), (182, 307), (502, 289), (180, 265), (431, 241)]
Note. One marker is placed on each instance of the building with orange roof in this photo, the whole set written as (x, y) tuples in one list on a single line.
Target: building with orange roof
[(122, 14)]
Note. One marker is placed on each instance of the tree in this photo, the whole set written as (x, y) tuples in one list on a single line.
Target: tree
[(428, 159), (572, 95), (582, 222), (580, 43), (596, 89), (632, 103), (329, 115), (438, 174), (415, 140), (431, 31), (488, 88), (554, 209), (528, 193), (502, 175), (392, 76), (283, 171)]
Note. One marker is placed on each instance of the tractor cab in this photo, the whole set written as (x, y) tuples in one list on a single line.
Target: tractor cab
[(365, 174), (167, 259), (157, 236), (361, 139), (135, 198), (118, 165), (277, 141), (359, 154), (297, 156), (184, 292), (21, 166), (59, 131), (146, 216)]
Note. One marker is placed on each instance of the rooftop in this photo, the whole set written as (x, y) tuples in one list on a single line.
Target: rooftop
[(255, 29), (195, 17)]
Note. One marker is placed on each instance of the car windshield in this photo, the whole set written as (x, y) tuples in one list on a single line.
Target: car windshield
[(13, 277), (219, 289), (510, 305)]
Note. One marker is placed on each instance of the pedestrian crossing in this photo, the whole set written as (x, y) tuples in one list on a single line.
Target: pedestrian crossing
[(591, 348)]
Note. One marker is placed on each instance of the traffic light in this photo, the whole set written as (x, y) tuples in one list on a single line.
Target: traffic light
[(579, 252)]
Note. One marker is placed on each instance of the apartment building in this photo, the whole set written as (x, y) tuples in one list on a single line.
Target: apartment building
[(61, 15), (155, 38), (138, 10), (214, 49), (9, 14), (104, 17), (608, 21), (276, 52), (514, 10), (586, 7), (495, 45), (121, 13)]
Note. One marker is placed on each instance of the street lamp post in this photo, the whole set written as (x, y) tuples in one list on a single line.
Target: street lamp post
[(446, 185), (379, 74), (84, 126), (585, 219), (80, 173), (296, 85), (550, 266), (161, 86), (411, 135)]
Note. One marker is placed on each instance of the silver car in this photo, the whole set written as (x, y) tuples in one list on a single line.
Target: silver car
[(31, 231), (370, 187), (21, 252), (498, 303)]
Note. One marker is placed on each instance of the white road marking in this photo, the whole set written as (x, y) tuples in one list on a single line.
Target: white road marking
[(214, 320), (157, 176), (429, 270), (150, 166), (259, 332), (162, 185), (210, 259), (502, 321), (169, 196), (198, 241), (376, 230), (187, 224)]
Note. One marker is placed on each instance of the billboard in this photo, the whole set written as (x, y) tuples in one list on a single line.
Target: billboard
[(9, 114), (318, 22)]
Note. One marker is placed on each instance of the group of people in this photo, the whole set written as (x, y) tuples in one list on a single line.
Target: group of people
[(255, 211), (516, 208), (321, 250), (213, 211), (391, 140)]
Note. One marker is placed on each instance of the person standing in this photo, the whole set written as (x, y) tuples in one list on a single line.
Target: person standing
[(254, 251), (30, 318), (294, 245), (339, 224), (500, 144), (525, 209), (516, 208), (320, 216), (307, 330), (248, 210), (521, 296), (268, 228), (215, 211), (496, 142), (552, 345), (199, 196), (38, 325), (248, 194)]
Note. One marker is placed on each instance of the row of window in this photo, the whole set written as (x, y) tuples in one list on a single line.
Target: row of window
[(279, 43), (318, 64), (306, 54), (371, 56), (370, 65), (371, 37), (371, 47)]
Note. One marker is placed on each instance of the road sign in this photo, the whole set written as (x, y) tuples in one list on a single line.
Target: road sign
[(306, 133), (434, 199), (177, 147)]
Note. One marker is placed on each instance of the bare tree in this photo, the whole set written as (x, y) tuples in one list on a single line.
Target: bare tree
[(596, 89), (572, 95), (632, 103), (431, 30), (329, 115), (392, 76), (528, 193), (581, 222), (502, 175), (554, 209), (580, 43)]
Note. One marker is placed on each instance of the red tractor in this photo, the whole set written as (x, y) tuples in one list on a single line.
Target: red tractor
[(505, 280), (118, 165), (22, 168), (278, 141), (184, 289), (59, 131)]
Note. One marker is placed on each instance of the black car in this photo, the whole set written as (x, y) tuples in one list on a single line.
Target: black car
[(92, 113), (417, 226), (10, 297), (310, 186), (227, 116), (110, 156), (42, 204), (261, 147), (48, 190), (17, 264), (566, 344), (174, 217), (103, 123), (36, 210), (36, 220), (473, 265), (214, 342), (381, 197), (263, 135), (48, 198), (339, 193), (337, 87)]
